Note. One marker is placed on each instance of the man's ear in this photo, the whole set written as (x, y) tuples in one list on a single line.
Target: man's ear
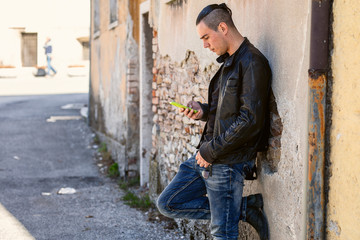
[(223, 28)]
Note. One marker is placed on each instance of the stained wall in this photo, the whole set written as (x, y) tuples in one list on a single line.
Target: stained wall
[(343, 209), (114, 99)]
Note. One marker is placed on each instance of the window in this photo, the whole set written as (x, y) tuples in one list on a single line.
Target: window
[(96, 18), (169, 1), (113, 13), (85, 53), (84, 41)]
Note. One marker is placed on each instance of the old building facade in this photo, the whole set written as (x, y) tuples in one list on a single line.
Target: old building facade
[(145, 53)]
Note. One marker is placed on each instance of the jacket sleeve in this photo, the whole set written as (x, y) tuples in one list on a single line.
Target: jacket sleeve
[(205, 109), (247, 124)]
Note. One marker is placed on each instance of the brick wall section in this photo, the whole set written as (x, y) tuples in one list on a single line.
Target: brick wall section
[(175, 136), (270, 159)]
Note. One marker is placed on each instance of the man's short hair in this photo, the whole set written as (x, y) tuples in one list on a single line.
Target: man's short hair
[(214, 14)]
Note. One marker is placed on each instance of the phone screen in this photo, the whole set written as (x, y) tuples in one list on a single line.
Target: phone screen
[(182, 106)]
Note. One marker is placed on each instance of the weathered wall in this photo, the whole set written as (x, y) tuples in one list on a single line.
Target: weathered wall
[(183, 69), (344, 195), (114, 85)]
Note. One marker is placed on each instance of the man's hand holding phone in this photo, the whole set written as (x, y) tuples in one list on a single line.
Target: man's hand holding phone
[(190, 112)]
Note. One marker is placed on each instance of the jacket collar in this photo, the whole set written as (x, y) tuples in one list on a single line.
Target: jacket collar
[(230, 59)]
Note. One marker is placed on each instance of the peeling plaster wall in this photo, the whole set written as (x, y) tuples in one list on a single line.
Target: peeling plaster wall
[(113, 100), (280, 29), (343, 209)]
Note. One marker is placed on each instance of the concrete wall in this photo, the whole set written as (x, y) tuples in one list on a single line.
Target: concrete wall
[(344, 205), (63, 21), (280, 29)]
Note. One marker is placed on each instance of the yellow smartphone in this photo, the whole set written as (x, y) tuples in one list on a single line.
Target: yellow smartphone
[(182, 106)]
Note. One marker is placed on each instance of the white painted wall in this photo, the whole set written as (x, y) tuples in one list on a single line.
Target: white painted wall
[(62, 20)]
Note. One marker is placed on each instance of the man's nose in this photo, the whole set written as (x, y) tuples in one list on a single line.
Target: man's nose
[(206, 45)]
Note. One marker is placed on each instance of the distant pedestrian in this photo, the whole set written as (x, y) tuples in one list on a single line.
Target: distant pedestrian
[(48, 52)]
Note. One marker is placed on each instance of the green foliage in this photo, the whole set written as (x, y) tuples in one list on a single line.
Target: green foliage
[(96, 139), (123, 186), (107, 157), (103, 148), (113, 171), (143, 202), (126, 184)]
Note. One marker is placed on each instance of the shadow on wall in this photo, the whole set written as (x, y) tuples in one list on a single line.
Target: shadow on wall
[(270, 159)]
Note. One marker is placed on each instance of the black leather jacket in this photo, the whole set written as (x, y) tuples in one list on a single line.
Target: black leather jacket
[(241, 127)]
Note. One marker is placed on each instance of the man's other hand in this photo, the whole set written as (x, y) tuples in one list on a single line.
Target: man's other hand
[(200, 161), (190, 113)]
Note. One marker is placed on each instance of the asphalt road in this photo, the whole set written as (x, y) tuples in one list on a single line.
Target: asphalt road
[(39, 157)]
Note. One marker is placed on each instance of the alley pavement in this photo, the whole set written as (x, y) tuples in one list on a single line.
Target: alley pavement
[(45, 148)]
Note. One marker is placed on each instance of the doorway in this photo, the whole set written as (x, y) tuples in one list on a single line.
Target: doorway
[(29, 49)]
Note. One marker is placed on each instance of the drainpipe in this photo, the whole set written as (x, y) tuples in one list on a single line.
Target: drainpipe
[(319, 52)]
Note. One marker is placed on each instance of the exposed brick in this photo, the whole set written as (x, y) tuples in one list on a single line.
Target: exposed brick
[(132, 84), (159, 79), (154, 70), (154, 85), (132, 78), (155, 100), (155, 48), (154, 41), (133, 90)]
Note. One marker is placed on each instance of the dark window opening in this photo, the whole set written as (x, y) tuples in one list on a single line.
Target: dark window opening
[(113, 11), (96, 16)]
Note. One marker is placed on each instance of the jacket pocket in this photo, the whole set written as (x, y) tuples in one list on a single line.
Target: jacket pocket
[(232, 82)]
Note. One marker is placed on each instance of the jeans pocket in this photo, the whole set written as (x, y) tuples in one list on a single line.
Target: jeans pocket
[(250, 171)]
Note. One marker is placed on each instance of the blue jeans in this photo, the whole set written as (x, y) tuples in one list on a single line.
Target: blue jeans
[(49, 67), (185, 196)]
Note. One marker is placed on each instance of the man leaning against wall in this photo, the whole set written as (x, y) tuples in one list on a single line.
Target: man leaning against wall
[(209, 185)]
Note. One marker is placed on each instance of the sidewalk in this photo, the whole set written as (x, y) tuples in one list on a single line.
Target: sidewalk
[(25, 83), (11, 228)]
